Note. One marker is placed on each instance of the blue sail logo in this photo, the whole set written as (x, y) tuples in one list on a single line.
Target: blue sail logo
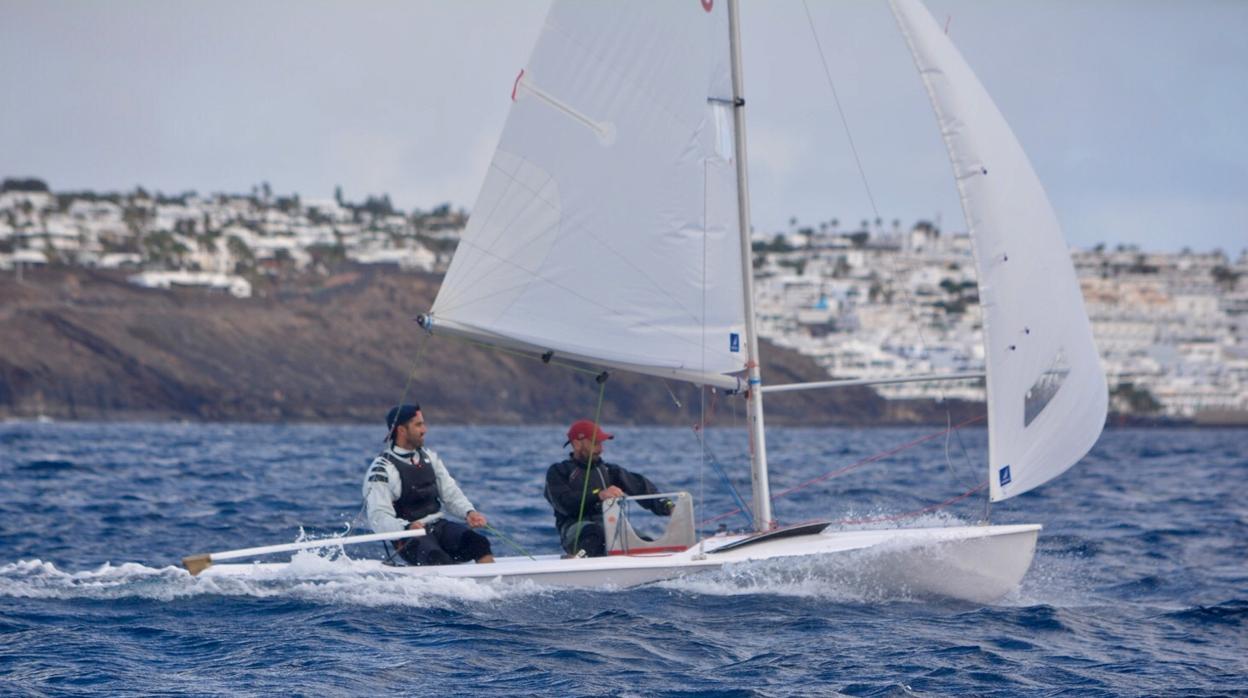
[(1004, 475), (734, 342)]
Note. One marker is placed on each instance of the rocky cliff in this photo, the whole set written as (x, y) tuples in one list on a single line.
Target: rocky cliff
[(81, 344)]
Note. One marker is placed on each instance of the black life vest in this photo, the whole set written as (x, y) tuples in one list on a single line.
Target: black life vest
[(599, 479), (419, 486)]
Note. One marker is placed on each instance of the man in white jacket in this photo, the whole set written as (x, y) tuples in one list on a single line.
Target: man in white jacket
[(407, 486)]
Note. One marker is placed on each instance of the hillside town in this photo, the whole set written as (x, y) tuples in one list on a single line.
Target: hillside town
[(867, 301), (220, 241), (1171, 328)]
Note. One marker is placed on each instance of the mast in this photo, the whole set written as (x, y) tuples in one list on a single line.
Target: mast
[(758, 440)]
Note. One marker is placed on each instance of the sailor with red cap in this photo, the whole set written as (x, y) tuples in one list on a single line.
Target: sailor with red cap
[(578, 506)]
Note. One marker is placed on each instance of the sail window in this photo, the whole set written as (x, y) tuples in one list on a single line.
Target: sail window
[(1046, 386), (721, 116)]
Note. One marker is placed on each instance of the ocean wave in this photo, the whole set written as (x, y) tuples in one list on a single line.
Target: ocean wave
[(49, 465), (332, 580), (1136, 586), (1233, 612)]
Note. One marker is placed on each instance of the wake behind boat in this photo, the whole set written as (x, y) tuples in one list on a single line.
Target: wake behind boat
[(612, 231)]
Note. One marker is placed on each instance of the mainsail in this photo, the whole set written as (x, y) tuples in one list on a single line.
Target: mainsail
[(606, 229), (1046, 390)]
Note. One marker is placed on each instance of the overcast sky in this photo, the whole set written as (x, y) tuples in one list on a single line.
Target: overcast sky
[(1134, 112)]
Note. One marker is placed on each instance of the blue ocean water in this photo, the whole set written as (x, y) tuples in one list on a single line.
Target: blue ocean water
[(1140, 584)]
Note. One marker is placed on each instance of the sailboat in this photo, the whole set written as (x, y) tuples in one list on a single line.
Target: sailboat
[(612, 230)]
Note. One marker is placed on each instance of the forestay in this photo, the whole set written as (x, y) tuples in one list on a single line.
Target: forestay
[(606, 228), (1046, 391)]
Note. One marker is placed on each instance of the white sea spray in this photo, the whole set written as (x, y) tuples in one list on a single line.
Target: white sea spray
[(311, 578)]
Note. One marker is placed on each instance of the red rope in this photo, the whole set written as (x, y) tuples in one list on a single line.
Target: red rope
[(870, 459)]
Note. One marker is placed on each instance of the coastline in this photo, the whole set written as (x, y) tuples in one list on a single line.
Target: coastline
[(86, 345)]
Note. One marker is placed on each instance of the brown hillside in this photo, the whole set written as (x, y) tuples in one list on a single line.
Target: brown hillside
[(82, 344)]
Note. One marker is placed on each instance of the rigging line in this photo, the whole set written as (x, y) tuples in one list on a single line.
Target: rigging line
[(702, 389), (950, 432), (742, 507), (714, 403), (965, 456), (702, 442), (389, 559), (988, 499), (844, 121), (716, 463), (701, 418), (360, 521), (420, 351), (509, 541), (699, 432), (862, 173), (872, 459), (852, 466), (589, 469), (916, 512)]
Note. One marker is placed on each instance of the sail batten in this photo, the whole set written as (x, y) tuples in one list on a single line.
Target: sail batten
[(1047, 396)]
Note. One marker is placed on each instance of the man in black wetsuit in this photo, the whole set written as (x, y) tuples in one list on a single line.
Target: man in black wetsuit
[(566, 490), (407, 486)]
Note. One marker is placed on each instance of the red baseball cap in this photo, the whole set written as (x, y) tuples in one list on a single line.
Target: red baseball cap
[(584, 429)]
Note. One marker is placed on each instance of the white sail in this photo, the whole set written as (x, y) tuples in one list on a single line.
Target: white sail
[(606, 229), (1046, 390)]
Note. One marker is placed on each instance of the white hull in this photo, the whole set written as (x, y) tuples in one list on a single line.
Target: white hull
[(970, 563)]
